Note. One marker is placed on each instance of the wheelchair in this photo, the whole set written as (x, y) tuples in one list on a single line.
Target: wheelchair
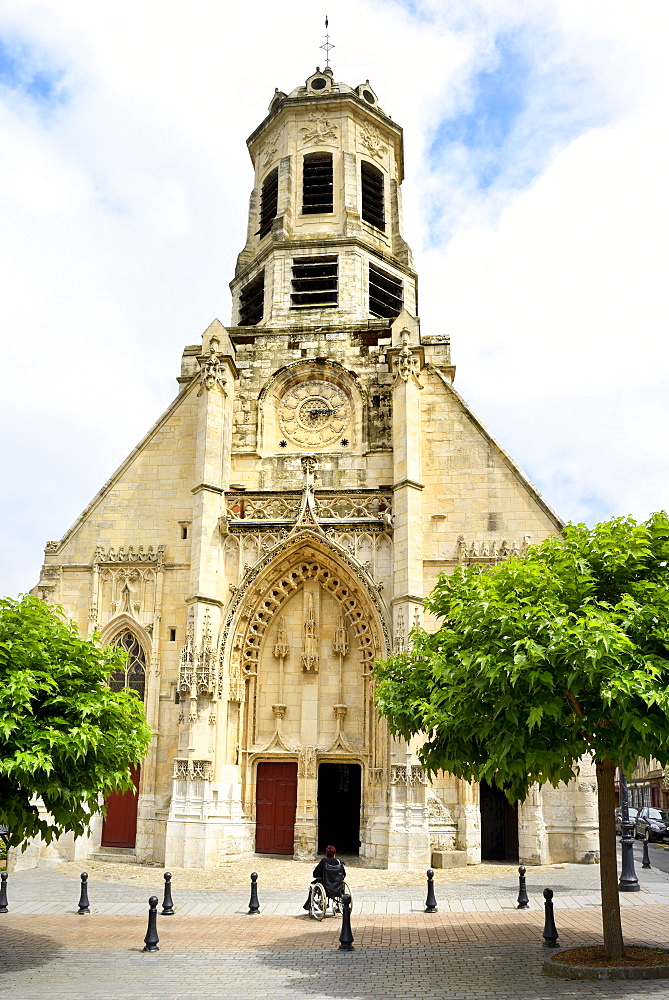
[(320, 900)]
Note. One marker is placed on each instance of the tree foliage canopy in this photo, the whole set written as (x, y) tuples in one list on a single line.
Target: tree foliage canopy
[(542, 659), (64, 735)]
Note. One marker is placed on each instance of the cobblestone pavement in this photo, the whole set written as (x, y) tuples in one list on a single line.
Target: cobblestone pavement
[(117, 888), (478, 956), (283, 873)]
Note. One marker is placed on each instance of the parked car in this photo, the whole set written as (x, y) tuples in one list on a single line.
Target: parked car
[(619, 818), (656, 821)]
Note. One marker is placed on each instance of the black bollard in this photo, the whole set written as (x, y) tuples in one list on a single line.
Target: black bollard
[(168, 905), (431, 901), (83, 898), (254, 905), (151, 940), (628, 882), (550, 934), (523, 898), (3, 893), (646, 856), (346, 937)]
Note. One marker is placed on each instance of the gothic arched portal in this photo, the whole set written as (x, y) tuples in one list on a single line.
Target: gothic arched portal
[(302, 645)]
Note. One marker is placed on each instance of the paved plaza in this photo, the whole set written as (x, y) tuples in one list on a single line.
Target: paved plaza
[(477, 945)]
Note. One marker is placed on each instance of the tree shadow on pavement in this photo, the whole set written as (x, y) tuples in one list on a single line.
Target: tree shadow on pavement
[(21, 950), (453, 971)]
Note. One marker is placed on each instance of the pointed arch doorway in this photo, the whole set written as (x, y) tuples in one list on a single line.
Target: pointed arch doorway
[(119, 827)]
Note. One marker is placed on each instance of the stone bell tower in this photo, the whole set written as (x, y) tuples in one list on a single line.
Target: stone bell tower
[(324, 242), (278, 528)]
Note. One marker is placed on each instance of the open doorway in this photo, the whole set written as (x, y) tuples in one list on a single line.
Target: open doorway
[(499, 825), (339, 807)]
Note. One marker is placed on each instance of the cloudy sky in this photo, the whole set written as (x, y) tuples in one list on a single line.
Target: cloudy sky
[(537, 160)]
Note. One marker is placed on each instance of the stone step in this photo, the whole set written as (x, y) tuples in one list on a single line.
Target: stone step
[(124, 855)]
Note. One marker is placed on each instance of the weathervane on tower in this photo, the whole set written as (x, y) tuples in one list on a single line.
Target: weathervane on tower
[(327, 45)]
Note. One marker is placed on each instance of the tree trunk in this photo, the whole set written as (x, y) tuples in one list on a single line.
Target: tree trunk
[(608, 866)]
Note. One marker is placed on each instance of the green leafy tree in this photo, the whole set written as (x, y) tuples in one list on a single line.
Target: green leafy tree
[(64, 735), (540, 661)]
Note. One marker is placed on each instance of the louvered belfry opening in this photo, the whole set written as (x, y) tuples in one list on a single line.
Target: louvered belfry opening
[(385, 293), (252, 301), (373, 210), (317, 184), (269, 200), (315, 282)]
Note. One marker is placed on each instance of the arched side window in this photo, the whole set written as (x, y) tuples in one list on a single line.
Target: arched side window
[(373, 210), (269, 201), (317, 184), (134, 675)]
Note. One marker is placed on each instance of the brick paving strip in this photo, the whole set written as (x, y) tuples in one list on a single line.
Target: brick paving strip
[(243, 933)]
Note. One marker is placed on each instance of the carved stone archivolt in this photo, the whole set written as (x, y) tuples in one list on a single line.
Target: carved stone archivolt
[(288, 583), (284, 572)]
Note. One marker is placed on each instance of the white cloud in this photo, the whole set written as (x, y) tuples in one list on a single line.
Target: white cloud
[(123, 208)]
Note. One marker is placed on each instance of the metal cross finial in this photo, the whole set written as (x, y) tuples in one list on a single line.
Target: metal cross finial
[(327, 45)]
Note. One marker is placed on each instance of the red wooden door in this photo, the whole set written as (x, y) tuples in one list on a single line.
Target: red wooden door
[(276, 802), (119, 828)]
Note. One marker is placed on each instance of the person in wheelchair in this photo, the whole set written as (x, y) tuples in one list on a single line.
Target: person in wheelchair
[(329, 873)]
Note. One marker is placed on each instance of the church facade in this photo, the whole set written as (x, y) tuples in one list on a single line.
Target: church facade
[(278, 528)]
